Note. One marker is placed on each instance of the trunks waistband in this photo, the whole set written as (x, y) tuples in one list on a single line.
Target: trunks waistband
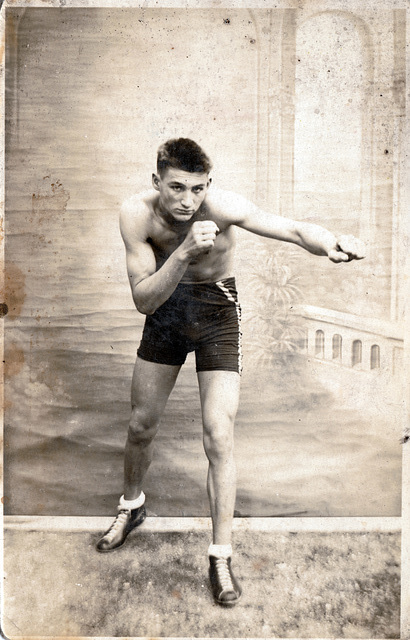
[(224, 281)]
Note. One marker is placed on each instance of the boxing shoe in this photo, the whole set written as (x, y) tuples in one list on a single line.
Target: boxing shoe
[(125, 521), (225, 588)]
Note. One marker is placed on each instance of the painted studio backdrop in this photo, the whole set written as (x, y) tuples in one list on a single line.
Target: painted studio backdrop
[(301, 112)]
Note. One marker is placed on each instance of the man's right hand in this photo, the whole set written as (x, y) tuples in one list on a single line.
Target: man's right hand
[(200, 238)]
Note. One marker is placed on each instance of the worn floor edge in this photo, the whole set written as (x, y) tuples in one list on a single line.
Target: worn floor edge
[(162, 524)]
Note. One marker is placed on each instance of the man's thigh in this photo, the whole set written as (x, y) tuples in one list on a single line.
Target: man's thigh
[(219, 393), (151, 385)]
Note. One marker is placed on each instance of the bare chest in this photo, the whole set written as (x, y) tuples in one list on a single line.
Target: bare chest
[(211, 265), (164, 241)]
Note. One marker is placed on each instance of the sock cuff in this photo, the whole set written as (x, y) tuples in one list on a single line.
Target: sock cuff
[(133, 504), (220, 550)]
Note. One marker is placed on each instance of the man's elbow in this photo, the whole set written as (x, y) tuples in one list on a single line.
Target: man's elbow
[(144, 307), (142, 301)]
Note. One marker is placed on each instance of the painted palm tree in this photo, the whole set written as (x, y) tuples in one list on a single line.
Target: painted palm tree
[(274, 330)]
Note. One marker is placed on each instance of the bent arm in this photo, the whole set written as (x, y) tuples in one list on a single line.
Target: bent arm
[(150, 288)]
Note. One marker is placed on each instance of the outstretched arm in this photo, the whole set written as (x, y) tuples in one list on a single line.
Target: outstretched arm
[(312, 237)]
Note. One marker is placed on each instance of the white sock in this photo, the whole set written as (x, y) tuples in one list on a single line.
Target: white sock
[(220, 550), (133, 504)]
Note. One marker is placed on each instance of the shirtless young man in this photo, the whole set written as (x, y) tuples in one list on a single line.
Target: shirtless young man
[(179, 241)]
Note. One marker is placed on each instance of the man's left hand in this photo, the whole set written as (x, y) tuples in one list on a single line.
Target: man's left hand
[(347, 248)]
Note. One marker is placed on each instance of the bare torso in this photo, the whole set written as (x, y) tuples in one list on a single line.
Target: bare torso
[(164, 236), (166, 245)]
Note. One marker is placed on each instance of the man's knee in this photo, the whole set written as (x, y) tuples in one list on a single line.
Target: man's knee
[(218, 439), (143, 425)]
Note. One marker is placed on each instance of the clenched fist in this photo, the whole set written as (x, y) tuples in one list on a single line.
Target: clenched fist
[(347, 248), (200, 238)]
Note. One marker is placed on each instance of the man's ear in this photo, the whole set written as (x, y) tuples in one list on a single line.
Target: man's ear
[(209, 182), (155, 181)]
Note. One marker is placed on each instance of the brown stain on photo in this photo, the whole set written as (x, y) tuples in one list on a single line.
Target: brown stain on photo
[(10, 34), (7, 404), (14, 290), (13, 360)]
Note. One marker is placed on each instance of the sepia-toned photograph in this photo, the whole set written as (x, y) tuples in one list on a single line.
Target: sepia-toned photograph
[(205, 396)]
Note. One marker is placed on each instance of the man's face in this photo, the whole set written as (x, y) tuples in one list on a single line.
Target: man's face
[(181, 192)]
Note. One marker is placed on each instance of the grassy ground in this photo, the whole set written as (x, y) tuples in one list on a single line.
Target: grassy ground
[(303, 585)]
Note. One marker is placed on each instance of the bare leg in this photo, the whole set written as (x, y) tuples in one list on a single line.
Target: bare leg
[(151, 385), (219, 391)]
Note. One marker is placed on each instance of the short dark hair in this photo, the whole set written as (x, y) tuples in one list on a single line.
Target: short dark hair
[(184, 154)]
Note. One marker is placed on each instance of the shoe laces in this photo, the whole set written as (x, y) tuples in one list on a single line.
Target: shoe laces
[(224, 574), (120, 521)]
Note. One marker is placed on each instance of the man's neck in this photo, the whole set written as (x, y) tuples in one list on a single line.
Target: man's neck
[(179, 226)]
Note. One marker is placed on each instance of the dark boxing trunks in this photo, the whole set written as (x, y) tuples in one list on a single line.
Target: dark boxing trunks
[(204, 318)]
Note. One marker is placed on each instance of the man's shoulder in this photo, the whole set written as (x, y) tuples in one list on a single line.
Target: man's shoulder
[(138, 204), (225, 204), (135, 215)]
